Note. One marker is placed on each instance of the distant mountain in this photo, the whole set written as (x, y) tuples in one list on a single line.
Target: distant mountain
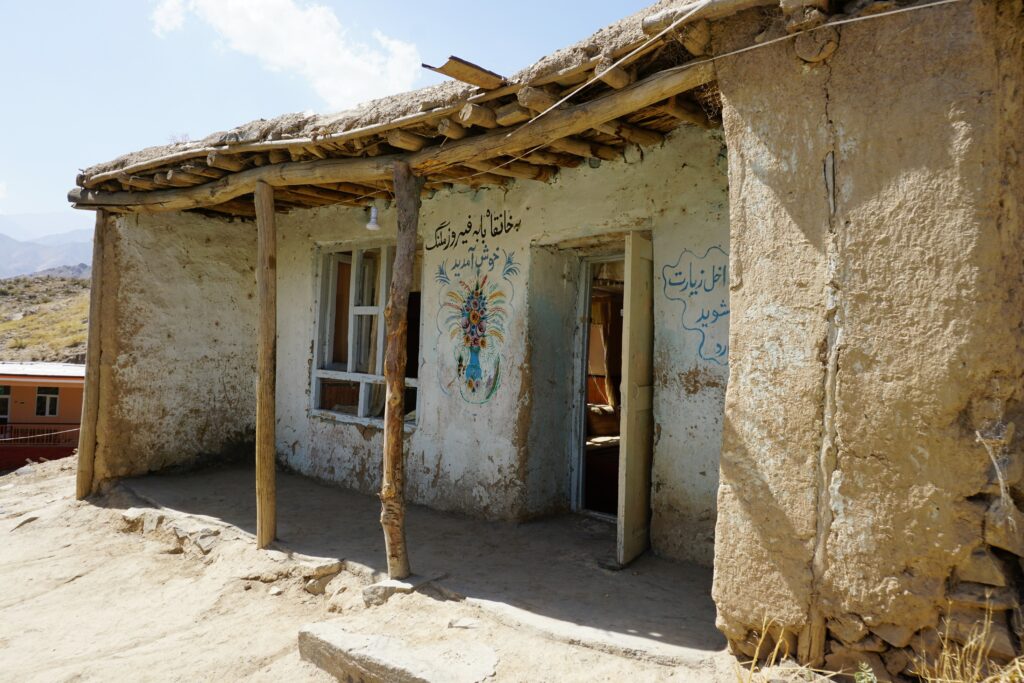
[(70, 237), (80, 271), (25, 258)]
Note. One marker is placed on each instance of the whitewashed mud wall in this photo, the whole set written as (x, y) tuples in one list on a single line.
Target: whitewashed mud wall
[(177, 366), (493, 427), (691, 361)]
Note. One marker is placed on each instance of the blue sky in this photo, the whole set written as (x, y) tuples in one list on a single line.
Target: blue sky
[(85, 82)]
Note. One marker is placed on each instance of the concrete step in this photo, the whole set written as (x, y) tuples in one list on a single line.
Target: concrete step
[(360, 657)]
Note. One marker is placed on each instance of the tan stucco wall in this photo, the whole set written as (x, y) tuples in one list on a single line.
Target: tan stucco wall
[(178, 351), (877, 327), (23, 402)]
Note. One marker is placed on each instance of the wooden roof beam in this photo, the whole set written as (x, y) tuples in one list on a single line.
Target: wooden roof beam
[(477, 115), (468, 72), (224, 162), (586, 149), (539, 133), (514, 169), (451, 130), (540, 100), (403, 139)]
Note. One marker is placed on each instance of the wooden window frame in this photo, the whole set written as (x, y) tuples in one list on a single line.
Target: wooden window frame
[(324, 367)]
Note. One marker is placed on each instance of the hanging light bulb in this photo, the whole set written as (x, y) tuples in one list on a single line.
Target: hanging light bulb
[(372, 224)]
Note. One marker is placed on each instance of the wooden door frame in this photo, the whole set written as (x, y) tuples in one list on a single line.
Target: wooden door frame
[(578, 434)]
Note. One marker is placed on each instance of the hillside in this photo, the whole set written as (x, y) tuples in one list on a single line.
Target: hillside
[(43, 318)]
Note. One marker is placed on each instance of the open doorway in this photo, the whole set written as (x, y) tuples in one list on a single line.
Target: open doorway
[(614, 462), (602, 405)]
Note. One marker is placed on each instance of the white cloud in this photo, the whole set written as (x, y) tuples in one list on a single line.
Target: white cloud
[(167, 16), (3, 190), (304, 39)]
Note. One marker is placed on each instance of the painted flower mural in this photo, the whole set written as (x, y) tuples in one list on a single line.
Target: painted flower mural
[(477, 316), (474, 314)]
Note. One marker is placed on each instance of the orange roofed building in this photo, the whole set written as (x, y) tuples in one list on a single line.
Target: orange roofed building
[(40, 411)]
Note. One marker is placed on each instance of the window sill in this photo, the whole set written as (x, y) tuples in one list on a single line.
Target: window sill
[(374, 422)]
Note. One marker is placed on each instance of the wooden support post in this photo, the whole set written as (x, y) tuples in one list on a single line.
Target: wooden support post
[(91, 397), (266, 366), (392, 492)]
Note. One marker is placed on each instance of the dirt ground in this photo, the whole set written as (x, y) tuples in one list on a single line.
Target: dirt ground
[(119, 589)]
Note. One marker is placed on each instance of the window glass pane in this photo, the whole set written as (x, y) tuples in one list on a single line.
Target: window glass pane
[(5, 391), (367, 279), (5, 407), (339, 345), (41, 406), (47, 391), (339, 396), (365, 340)]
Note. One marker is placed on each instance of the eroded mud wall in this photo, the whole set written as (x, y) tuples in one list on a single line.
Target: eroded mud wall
[(177, 366), (876, 335)]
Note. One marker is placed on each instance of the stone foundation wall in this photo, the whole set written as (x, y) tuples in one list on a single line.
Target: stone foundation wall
[(871, 473)]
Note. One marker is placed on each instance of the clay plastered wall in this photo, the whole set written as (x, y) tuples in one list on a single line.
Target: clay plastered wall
[(876, 330), (178, 348), (501, 449)]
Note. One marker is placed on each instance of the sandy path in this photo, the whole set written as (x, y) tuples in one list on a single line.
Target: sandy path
[(80, 600)]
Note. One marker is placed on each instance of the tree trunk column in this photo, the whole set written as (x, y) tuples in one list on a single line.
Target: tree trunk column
[(91, 398), (392, 493), (266, 366)]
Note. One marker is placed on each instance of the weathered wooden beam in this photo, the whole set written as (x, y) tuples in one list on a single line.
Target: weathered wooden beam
[(587, 149), (403, 139), (238, 184), (477, 115), (512, 114), (184, 179), (451, 130), (137, 182), (225, 162), (279, 156), (392, 492), (687, 112), (468, 72), (615, 76), (551, 158), (514, 169), (556, 124), (541, 100), (570, 121), (266, 366), (203, 170), (91, 395)]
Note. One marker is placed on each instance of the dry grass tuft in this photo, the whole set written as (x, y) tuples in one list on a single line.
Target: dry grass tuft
[(776, 665), (970, 662)]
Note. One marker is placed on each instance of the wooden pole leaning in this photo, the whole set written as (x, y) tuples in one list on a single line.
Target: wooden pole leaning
[(91, 398), (392, 493), (266, 366)]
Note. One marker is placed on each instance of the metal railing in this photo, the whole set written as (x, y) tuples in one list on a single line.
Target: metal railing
[(39, 434)]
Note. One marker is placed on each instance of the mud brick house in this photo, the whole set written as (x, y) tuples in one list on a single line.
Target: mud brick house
[(743, 277), (40, 410)]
